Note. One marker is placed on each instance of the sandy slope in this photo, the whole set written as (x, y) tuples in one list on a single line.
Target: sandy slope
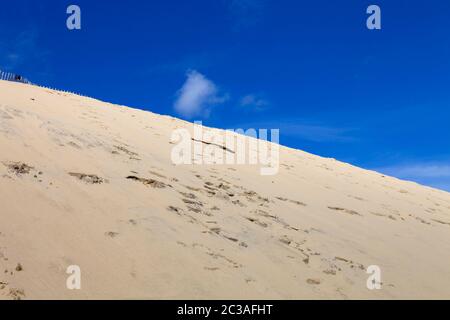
[(197, 231)]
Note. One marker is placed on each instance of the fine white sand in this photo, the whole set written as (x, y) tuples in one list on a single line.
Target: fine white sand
[(197, 232)]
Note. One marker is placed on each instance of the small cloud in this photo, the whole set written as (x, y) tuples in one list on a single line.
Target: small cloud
[(197, 95), (432, 174), (318, 133), (254, 101), (421, 170), (307, 131)]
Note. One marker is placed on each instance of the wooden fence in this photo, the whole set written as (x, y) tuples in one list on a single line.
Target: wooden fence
[(9, 76)]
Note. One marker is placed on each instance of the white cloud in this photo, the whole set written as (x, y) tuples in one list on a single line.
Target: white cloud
[(432, 174), (420, 170), (319, 133), (306, 130), (252, 100), (197, 95)]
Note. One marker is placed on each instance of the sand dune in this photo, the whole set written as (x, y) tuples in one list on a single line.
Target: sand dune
[(88, 183)]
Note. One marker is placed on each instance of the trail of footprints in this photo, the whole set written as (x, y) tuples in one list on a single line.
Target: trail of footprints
[(222, 190), (253, 208)]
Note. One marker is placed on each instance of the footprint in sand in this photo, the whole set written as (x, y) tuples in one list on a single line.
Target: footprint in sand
[(176, 210), (150, 182), (111, 234), (16, 294), (350, 212), (18, 168), (313, 281), (88, 178), (299, 203), (257, 222)]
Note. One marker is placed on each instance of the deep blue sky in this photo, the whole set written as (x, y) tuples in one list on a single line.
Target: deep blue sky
[(377, 99)]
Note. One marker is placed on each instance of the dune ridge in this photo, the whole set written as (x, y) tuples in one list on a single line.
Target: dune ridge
[(89, 183)]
